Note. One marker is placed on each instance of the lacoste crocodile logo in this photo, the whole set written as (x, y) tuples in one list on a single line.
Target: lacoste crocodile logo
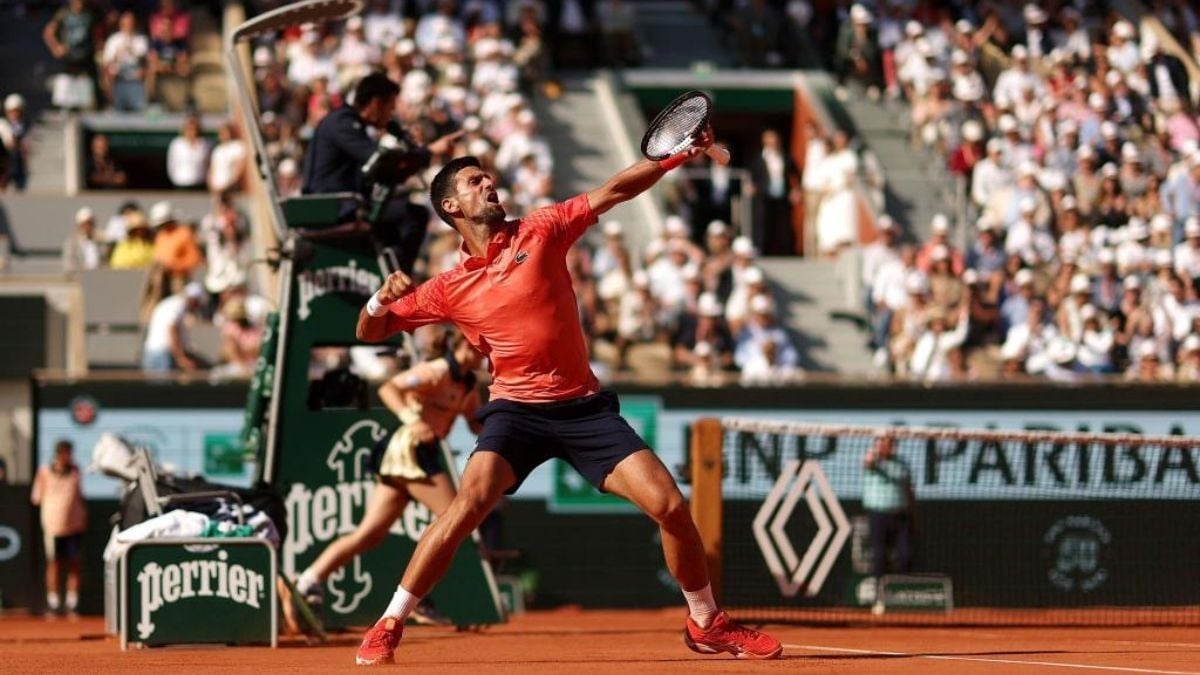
[(521, 257)]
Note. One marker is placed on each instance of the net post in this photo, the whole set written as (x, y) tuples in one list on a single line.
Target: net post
[(707, 441)]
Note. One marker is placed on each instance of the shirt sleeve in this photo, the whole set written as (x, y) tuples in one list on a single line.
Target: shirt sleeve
[(422, 307), (349, 136), (567, 221)]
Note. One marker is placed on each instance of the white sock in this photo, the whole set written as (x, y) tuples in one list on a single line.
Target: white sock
[(402, 604), (702, 605), (52, 601), (72, 601), (308, 580)]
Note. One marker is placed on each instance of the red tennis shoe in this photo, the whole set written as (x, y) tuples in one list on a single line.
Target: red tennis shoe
[(726, 635), (379, 644)]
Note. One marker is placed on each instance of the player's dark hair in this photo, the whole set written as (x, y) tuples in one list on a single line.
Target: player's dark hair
[(443, 183), (373, 86)]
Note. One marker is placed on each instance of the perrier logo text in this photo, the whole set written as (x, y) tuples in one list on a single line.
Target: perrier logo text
[(348, 278), (166, 584)]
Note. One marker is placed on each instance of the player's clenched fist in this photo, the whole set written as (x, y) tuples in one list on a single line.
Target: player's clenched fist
[(396, 286)]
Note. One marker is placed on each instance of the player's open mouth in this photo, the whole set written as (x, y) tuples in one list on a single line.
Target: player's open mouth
[(493, 197)]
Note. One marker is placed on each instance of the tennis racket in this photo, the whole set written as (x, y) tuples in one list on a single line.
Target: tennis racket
[(678, 126)]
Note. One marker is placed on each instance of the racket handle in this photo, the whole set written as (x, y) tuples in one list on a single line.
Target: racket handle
[(718, 153)]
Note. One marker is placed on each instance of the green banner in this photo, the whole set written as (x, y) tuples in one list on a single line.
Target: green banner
[(571, 493), (198, 591)]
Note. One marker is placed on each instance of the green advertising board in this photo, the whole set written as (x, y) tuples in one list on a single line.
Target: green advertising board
[(571, 493), (191, 591), (316, 446)]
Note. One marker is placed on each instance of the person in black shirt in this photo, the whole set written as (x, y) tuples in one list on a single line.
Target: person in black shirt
[(341, 145)]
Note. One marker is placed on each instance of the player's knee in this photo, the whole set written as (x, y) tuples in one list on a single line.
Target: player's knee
[(472, 504), (669, 509)]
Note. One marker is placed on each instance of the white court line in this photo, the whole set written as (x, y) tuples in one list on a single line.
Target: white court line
[(980, 659)]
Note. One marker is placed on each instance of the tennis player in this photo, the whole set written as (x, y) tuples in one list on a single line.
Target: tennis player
[(511, 296), (427, 398)]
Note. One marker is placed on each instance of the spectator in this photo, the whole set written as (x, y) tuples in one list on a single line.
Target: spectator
[(857, 54), (878, 254), (71, 38), (135, 249), (124, 59), (58, 493), (226, 253), (289, 178), (241, 339), (705, 325), (764, 352), (1188, 366), (932, 359), (166, 347), (638, 319), (14, 144), (939, 227), (187, 156), (890, 503), (1149, 366), (81, 251), (775, 187), (175, 248), (103, 172), (170, 31), (227, 163)]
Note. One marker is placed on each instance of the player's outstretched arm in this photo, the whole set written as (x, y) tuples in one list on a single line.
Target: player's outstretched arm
[(376, 322), (640, 177)]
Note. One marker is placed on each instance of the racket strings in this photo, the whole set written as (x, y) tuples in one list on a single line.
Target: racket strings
[(677, 129)]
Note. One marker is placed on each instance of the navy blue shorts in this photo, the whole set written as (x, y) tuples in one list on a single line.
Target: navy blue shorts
[(588, 433)]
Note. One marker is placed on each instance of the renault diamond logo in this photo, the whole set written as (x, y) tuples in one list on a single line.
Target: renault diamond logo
[(790, 571)]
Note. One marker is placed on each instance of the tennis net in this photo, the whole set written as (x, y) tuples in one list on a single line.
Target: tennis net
[(999, 527)]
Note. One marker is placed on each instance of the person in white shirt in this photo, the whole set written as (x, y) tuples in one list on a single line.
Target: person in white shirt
[(1015, 79), (124, 60), (187, 156), (1032, 337), (81, 251), (439, 24), (1032, 243), (1123, 52), (1187, 252), (930, 361), (227, 162), (355, 55), (637, 318), (607, 256), (879, 253), (764, 352), (166, 345), (666, 276), (524, 141), (383, 27), (990, 174), (1094, 350)]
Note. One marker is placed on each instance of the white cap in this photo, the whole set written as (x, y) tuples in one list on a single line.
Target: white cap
[(939, 253), (1034, 14), (1088, 312), (703, 349), (1020, 52), (1085, 152), (1108, 129), (1191, 227), (959, 58), (1053, 181), (194, 291), (674, 225), (970, 276), (1027, 168), (1132, 283), (994, 145), (655, 248), (986, 225), (1109, 170), (690, 272), (641, 279), (913, 28), (1027, 205), (1123, 30), (1161, 222), (1106, 256), (940, 223), (753, 275), (1113, 78), (405, 47), (963, 26), (84, 213), (1023, 277), (354, 23), (885, 223), (1136, 229), (472, 123), (13, 102), (1012, 350), (288, 168), (1061, 350), (1190, 344), (761, 304), (743, 247), (915, 283), (612, 228), (162, 213), (1129, 153), (1162, 258), (717, 228), (1007, 123), (972, 130), (1069, 203), (262, 56), (860, 14), (1147, 350), (708, 305), (1080, 284), (1068, 126)]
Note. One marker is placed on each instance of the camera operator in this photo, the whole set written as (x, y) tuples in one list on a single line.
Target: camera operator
[(342, 145)]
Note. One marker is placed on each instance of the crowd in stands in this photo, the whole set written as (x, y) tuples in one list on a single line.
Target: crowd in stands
[(1079, 149)]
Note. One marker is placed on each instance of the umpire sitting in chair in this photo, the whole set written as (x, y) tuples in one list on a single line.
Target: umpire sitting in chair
[(889, 502), (360, 148)]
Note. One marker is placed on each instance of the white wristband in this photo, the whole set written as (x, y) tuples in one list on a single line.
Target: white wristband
[(374, 307)]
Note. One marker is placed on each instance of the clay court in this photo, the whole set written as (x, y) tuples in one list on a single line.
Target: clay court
[(628, 641)]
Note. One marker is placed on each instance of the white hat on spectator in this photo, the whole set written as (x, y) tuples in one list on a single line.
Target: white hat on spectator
[(1161, 222), (753, 276), (761, 304), (703, 349), (309, 34), (1123, 30), (1019, 52), (885, 223), (994, 145), (970, 276), (1027, 168), (963, 26), (1147, 350), (1012, 350), (1096, 101), (1136, 229), (1190, 344), (986, 225), (972, 130), (262, 56), (1068, 126), (708, 305), (14, 102), (1053, 181), (162, 213), (1007, 123), (655, 248), (1108, 129), (924, 47), (1132, 283), (1088, 312), (1191, 227), (288, 168), (526, 117), (1085, 152), (916, 284), (959, 58), (1027, 205), (939, 253), (1080, 284), (936, 74), (194, 291), (612, 228), (673, 225), (456, 73), (84, 214), (742, 246), (486, 48), (690, 271), (641, 279), (1023, 277), (913, 28), (405, 47), (860, 14), (354, 23), (1129, 153), (717, 228), (1106, 256), (446, 44), (479, 146), (472, 123), (1069, 203), (1034, 14), (1113, 78), (1061, 351), (940, 223), (1162, 258), (1109, 170)]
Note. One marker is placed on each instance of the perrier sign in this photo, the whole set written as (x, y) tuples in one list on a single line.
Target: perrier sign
[(198, 590)]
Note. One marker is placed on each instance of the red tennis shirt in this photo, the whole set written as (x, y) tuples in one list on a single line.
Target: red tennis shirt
[(517, 306)]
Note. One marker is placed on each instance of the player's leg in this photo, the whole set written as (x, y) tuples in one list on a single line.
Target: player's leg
[(52, 597), (385, 505), (642, 479), (487, 476), (435, 493), (70, 558)]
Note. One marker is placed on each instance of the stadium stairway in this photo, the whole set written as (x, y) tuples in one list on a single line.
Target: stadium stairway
[(811, 297)]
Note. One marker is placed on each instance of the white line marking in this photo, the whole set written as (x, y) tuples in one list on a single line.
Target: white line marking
[(979, 659)]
